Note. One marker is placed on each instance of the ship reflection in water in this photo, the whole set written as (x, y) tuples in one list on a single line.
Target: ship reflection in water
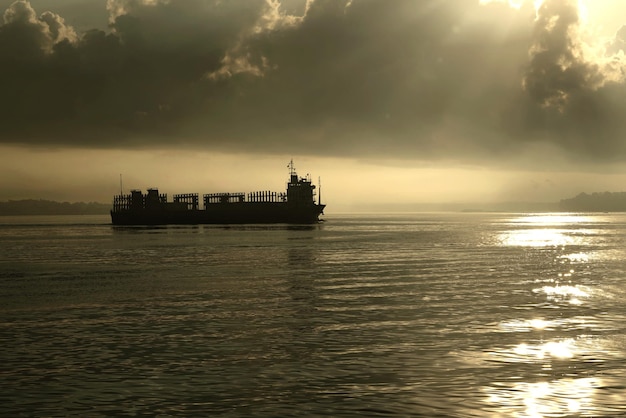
[(563, 366)]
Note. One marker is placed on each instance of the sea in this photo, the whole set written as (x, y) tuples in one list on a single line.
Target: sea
[(362, 315)]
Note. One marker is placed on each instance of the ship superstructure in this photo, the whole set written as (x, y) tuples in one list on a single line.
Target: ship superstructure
[(295, 205)]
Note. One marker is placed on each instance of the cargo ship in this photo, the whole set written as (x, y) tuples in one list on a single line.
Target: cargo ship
[(294, 206)]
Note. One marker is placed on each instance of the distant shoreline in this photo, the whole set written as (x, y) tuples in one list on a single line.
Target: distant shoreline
[(583, 202), (27, 207), (596, 202)]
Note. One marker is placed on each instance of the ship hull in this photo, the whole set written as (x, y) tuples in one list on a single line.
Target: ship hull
[(228, 213)]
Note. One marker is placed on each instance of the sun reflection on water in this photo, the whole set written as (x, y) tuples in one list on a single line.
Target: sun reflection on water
[(581, 323), (545, 231), (543, 237), (573, 294), (575, 257), (552, 219), (554, 349), (526, 325), (561, 397), (543, 394), (539, 352)]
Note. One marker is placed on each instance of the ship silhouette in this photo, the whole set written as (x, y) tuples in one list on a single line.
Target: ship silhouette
[(294, 206)]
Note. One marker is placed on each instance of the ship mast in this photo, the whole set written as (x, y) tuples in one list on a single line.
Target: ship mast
[(319, 191), (292, 170)]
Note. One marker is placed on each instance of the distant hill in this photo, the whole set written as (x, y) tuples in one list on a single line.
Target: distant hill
[(595, 202), (49, 207)]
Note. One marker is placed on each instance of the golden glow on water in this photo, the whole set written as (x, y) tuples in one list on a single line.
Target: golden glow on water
[(526, 325), (542, 352), (560, 397), (571, 294), (538, 323), (549, 348), (536, 238), (546, 230), (555, 349), (552, 219), (576, 257), (427, 315)]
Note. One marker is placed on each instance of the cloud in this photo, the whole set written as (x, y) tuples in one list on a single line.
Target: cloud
[(576, 86), (561, 64), (431, 79)]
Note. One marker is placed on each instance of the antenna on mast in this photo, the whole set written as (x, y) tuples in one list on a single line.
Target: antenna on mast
[(292, 170)]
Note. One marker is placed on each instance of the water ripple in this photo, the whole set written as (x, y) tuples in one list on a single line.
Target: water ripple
[(467, 315)]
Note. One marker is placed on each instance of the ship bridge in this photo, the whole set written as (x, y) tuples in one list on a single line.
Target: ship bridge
[(300, 190)]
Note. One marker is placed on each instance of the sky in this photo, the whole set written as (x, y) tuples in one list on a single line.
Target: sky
[(406, 102)]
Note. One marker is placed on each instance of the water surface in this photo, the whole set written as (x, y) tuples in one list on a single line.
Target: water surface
[(456, 315)]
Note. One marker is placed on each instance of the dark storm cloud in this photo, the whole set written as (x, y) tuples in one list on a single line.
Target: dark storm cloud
[(557, 68), (576, 91), (429, 78), (139, 80)]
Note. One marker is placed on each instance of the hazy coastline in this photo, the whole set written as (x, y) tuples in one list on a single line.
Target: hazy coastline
[(49, 207), (583, 202)]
